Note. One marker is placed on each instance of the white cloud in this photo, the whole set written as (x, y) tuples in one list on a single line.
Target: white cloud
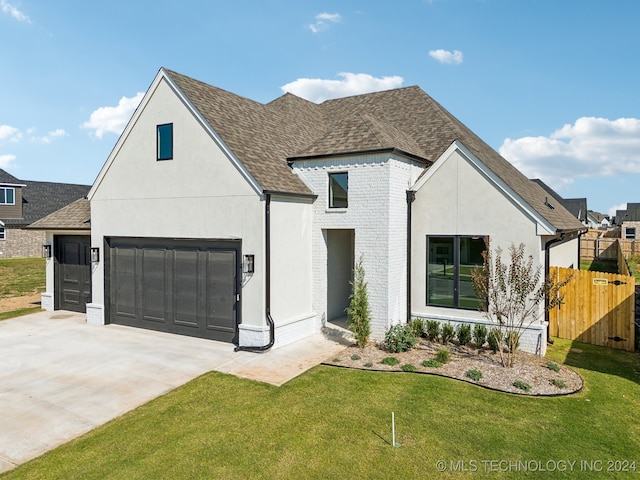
[(12, 10), (9, 133), (6, 160), (612, 211), (318, 90), (445, 56), (113, 119), (324, 21), (591, 147), (49, 136)]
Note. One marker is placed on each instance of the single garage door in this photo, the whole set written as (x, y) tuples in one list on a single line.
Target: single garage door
[(188, 287), (72, 272)]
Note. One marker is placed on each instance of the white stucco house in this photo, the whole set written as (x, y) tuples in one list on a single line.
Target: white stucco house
[(225, 218)]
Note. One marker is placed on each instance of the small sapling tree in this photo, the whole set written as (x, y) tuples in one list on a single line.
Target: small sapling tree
[(358, 309), (512, 295)]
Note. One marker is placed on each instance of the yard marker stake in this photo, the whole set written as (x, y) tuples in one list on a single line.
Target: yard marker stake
[(393, 430)]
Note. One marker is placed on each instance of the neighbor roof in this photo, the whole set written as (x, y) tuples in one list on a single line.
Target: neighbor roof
[(265, 136), (75, 216), (42, 198), (577, 206)]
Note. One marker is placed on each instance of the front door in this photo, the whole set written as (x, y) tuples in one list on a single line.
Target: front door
[(72, 272)]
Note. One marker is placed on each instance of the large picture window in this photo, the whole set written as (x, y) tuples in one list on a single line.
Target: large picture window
[(450, 261), (7, 196)]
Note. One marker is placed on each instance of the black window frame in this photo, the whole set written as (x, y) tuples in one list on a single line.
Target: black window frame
[(3, 232), (331, 201), (164, 137), (456, 274), (3, 197), (629, 230)]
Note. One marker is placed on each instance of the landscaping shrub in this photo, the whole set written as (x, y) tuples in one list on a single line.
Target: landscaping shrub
[(479, 334), (474, 374), (417, 325), (407, 367), (391, 361), (355, 356), (400, 338), (433, 330), (464, 333), (431, 364), (368, 364), (448, 333), (522, 385), (443, 355), (512, 340), (358, 310), (553, 366), (557, 383), (495, 339)]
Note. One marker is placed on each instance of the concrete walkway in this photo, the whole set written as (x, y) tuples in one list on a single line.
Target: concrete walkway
[(60, 377)]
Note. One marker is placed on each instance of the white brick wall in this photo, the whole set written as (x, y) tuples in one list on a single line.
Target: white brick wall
[(377, 213)]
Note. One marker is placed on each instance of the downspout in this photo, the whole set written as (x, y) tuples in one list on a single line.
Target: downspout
[(411, 196), (267, 280), (547, 256)]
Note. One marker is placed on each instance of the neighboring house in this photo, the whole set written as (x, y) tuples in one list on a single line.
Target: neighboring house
[(220, 217), (597, 220), (23, 202), (630, 222), (577, 206)]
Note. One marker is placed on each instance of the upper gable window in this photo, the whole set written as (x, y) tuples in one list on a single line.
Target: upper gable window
[(7, 196), (338, 190), (164, 134)]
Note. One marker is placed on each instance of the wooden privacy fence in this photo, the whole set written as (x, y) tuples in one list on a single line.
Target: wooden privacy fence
[(598, 308), (606, 249)]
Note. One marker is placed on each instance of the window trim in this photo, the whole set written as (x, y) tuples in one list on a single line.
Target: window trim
[(330, 196), (159, 137), (13, 190), (627, 230), (3, 232), (456, 273)]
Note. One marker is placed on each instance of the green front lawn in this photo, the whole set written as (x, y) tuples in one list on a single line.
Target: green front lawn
[(336, 423), (21, 276)]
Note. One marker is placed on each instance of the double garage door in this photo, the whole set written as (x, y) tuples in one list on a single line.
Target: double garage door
[(188, 287)]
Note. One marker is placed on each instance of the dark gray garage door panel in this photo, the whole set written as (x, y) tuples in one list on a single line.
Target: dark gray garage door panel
[(184, 287)]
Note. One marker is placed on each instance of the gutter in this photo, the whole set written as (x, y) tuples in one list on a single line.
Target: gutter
[(267, 267), (411, 196)]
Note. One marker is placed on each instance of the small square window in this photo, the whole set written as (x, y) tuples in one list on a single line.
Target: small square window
[(338, 190), (630, 233), (164, 135), (7, 196), (3, 234)]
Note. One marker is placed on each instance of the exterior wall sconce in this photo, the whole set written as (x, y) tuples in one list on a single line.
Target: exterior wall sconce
[(46, 251), (248, 266), (95, 254)]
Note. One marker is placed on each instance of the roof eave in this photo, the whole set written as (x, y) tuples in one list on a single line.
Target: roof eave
[(374, 151)]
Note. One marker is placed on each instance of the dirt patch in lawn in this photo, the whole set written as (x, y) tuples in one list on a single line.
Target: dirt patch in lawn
[(18, 303), (529, 369)]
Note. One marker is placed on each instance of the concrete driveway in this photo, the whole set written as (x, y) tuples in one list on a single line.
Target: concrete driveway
[(60, 377)]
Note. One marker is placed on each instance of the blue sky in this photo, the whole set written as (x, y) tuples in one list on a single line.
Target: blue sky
[(554, 86)]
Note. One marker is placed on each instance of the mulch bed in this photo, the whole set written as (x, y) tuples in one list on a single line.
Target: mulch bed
[(530, 369)]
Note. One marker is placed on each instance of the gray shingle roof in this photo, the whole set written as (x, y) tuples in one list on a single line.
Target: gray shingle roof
[(75, 216), (42, 198), (265, 136)]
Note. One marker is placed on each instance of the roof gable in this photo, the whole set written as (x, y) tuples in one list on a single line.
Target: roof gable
[(261, 138)]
